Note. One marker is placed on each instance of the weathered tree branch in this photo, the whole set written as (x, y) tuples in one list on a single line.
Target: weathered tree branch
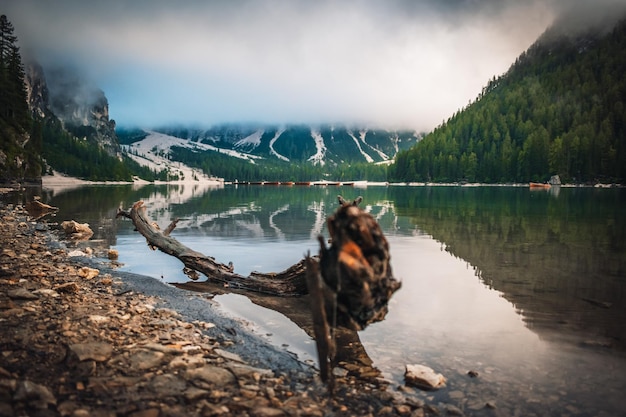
[(350, 283), (290, 282)]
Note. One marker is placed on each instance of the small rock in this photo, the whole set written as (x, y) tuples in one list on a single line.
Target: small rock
[(21, 294), (97, 351), (75, 230), (403, 409), (67, 288), (145, 359), (211, 375), (195, 394), (243, 371), (47, 292), (472, 374), (453, 410), (187, 362), (423, 377), (97, 319), (267, 412), (113, 254), (37, 395), (228, 355), (88, 273)]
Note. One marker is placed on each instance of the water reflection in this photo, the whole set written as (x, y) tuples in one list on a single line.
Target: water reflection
[(560, 259), (492, 276)]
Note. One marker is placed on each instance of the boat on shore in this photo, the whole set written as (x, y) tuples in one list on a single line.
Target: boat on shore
[(539, 185)]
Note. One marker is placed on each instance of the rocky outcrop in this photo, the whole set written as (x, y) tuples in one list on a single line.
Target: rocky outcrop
[(81, 107), (37, 90)]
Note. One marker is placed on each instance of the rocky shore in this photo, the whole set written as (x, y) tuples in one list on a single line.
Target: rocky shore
[(85, 340)]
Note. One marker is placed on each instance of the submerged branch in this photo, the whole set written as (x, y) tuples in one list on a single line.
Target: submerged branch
[(290, 282)]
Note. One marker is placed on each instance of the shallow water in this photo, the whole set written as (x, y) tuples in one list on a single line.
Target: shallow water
[(526, 288)]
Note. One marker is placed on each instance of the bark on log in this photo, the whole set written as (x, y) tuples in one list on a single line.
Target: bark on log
[(323, 332), (290, 282)]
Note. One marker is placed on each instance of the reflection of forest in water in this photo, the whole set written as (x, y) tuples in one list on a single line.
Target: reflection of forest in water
[(558, 257)]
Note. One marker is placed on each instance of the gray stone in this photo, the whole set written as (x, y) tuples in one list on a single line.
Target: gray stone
[(195, 394), (36, 395), (97, 351), (168, 385), (146, 359), (21, 294), (187, 362), (211, 375), (453, 410), (243, 371), (228, 355)]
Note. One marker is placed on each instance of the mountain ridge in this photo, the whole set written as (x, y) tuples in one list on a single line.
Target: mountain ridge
[(318, 144)]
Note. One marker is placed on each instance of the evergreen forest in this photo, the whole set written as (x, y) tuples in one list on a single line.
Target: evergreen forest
[(559, 110), (231, 169), (19, 150)]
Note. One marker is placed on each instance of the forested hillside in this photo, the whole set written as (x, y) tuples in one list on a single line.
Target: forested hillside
[(560, 109), (33, 139), (19, 147)]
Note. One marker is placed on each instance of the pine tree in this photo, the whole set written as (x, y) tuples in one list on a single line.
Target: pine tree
[(13, 104)]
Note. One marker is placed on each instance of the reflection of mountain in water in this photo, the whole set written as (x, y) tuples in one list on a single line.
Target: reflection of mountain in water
[(559, 259)]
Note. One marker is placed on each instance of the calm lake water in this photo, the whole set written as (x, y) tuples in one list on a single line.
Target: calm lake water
[(528, 288)]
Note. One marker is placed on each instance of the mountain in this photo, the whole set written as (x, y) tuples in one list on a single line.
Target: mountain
[(560, 109), (247, 152), (82, 108), (70, 123), (319, 145)]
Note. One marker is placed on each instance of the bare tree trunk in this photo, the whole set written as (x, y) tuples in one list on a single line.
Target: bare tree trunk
[(290, 282), (350, 284)]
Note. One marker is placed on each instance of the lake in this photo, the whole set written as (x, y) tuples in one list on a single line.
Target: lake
[(527, 288)]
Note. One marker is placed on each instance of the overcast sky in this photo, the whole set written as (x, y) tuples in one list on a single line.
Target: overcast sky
[(389, 63)]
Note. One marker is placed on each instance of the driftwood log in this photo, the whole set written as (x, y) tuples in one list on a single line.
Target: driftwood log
[(349, 285), (290, 282)]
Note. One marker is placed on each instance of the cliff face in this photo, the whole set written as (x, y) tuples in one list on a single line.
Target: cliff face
[(37, 90), (82, 108)]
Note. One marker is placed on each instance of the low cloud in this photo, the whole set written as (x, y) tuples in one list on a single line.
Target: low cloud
[(402, 63)]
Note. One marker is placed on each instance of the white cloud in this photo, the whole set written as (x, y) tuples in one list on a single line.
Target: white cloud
[(398, 62)]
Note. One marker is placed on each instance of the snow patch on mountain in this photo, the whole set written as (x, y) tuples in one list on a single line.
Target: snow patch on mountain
[(318, 158), (274, 139), (358, 145), (251, 141), (153, 152), (384, 156)]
